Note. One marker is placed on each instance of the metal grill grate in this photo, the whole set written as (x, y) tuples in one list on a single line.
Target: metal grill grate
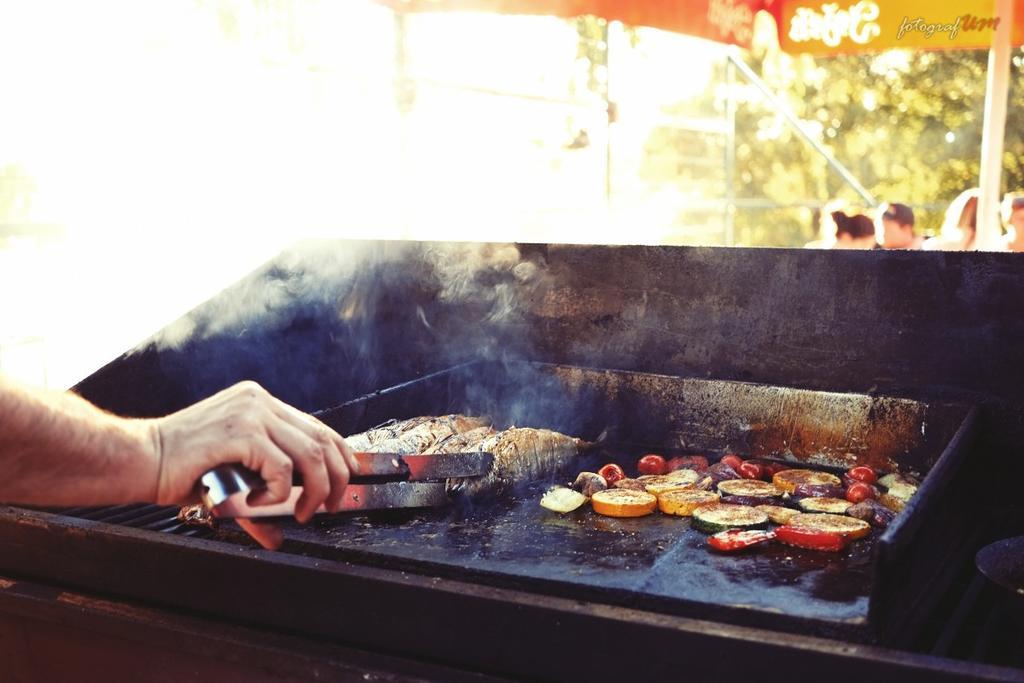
[(159, 518)]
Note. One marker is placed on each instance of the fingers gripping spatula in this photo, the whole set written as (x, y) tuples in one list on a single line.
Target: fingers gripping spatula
[(385, 480)]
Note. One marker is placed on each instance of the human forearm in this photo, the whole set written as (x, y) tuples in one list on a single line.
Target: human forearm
[(58, 449)]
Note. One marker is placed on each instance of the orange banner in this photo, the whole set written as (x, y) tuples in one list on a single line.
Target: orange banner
[(724, 21), (804, 26), (869, 25)]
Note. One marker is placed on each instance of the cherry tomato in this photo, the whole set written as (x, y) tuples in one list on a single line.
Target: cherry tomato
[(733, 461), (863, 473), (652, 464), (858, 492), (693, 462), (612, 473), (750, 470)]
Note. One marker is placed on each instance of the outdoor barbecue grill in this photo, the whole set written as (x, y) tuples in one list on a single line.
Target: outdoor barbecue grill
[(476, 585)]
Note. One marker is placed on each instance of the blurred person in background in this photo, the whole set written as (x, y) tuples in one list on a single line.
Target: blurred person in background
[(854, 232), (898, 227), (827, 226), (1013, 218), (960, 225)]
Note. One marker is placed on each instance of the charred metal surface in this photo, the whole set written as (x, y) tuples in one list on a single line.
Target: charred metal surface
[(657, 562), (330, 321), (434, 619)]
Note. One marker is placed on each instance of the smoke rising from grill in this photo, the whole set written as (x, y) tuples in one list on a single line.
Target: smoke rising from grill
[(346, 308)]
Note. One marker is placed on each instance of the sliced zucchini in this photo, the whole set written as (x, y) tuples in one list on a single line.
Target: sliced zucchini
[(835, 524), (684, 502), (748, 487), (721, 516), (788, 480), (902, 491), (836, 506), (673, 481), (562, 499), (778, 514)]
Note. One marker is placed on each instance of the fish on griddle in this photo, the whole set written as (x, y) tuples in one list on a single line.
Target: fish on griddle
[(464, 442), (389, 430), (521, 454), (415, 435)]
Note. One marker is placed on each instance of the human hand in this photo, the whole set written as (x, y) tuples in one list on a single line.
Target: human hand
[(244, 424)]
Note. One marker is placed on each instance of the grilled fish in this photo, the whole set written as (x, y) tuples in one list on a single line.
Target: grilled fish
[(520, 454), (389, 430), (417, 435), (463, 442)]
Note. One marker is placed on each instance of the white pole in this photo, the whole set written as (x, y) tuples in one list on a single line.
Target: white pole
[(994, 129)]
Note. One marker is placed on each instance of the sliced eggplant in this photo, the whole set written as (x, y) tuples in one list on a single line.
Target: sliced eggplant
[(788, 480), (778, 514), (752, 501), (817, 491), (872, 512), (748, 487)]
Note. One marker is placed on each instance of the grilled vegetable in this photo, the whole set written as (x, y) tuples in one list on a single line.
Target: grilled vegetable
[(589, 483), (818, 491), (652, 464), (673, 481), (623, 503), (683, 502), (629, 485), (562, 499), (894, 478), (862, 473), (836, 524), (751, 470), (872, 512), (771, 467), (720, 472), (859, 491), (736, 539), (811, 539), (778, 514), (693, 462), (892, 502), (836, 506), (732, 460), (720, 516), (752, 501), (612, 473), (747, 487), (788, 480), (902, 491)]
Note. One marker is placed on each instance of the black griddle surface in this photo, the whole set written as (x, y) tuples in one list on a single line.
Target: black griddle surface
[(656, 562)]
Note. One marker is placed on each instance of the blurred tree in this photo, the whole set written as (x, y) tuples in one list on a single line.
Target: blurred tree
[(907, 125)]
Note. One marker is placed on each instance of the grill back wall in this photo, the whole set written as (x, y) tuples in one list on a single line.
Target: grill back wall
[(331, 320)]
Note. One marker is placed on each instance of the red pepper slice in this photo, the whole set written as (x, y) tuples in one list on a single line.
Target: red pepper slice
[(738, 539), (811, 539)]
